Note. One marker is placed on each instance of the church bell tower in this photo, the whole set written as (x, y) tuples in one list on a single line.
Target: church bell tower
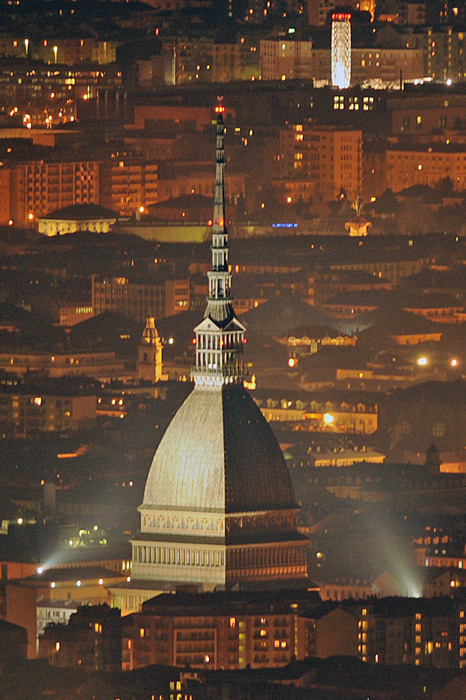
[(149, 368)]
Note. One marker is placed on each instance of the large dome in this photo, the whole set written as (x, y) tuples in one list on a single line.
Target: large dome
[(219, 453)]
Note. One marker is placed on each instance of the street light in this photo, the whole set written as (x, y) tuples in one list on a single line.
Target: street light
[(26, 46), (55, 53)]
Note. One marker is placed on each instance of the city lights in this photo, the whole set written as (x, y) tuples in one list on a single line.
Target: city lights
[(297, 496)]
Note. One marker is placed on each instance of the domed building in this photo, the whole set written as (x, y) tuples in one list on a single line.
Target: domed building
[(219, 508)]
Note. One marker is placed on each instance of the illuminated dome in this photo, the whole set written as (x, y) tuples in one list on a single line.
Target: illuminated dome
[(219, 453), (218, 504)]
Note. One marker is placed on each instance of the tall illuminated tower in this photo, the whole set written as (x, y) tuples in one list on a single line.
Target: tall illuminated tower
[(218, 507), (341, 49)]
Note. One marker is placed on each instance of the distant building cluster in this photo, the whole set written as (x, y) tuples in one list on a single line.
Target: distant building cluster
[(232, 350)]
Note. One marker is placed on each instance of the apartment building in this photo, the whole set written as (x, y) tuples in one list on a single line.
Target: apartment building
[(286, 59), (328, 157), (140, 298), (234, 630), (425, 165), (103, 366), (418, 631), (46, 410), (423, 115), (128, 183), (31, 190), (238, 61)]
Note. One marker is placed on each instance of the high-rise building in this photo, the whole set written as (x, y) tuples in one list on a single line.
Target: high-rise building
[(218, 506), (341, 49)]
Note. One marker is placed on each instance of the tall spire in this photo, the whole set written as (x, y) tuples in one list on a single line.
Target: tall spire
[(219, 302), (220, 336)]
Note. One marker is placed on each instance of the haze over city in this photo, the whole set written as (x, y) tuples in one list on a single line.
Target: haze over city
[(232, 349)]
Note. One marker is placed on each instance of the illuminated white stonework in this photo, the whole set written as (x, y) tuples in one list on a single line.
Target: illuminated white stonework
[(218, 505), (341, 50)]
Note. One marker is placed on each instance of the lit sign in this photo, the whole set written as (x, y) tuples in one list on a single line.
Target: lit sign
[(285, 225)]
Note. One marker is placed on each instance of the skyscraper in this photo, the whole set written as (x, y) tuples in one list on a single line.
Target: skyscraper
[(218, 506)]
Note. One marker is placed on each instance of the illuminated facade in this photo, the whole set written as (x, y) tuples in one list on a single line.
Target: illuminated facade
[(228, 630), (327, 160), (416, 631), (29, 191), (127, 184), (341, 50), (218, 506), (77, 217), (150, 353)]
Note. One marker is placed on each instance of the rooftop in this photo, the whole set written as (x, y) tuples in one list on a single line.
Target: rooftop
[(82, 212)]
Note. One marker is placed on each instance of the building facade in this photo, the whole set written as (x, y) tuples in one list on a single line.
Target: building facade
[(218, 507), (29, 191), (127, 184), (149, 367), (421, 632), (45, 411), (223, 630), (99, 365), (327, 158), (286, 59), (426, 165), (139, 299)]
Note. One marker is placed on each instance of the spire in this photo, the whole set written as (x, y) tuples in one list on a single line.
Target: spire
[(220, 336), (219, 302)]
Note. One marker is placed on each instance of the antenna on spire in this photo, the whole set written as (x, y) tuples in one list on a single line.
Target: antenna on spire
[(219, 108)]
